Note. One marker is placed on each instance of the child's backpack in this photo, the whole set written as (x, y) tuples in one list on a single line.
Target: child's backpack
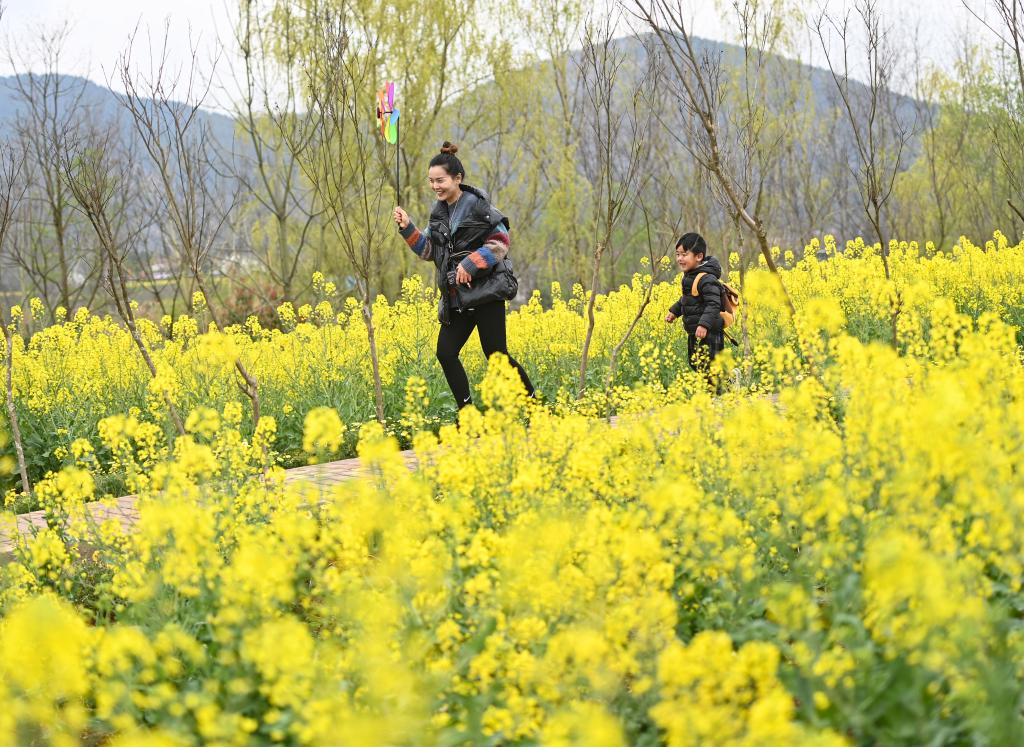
[(730, 299)]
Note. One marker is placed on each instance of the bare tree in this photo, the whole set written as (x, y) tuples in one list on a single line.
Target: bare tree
[(50, 246), (679, 193), (697, 87), (156, 260), (99, 169), (804, 191), (276, 134), (618, 138), (732, 144), (340, 161), (11, 195), (880, 132), (178, 142)]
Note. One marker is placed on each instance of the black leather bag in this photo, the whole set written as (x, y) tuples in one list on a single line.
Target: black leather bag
[(500, 284)]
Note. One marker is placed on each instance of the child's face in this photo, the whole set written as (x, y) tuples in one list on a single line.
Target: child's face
[(686, 259)]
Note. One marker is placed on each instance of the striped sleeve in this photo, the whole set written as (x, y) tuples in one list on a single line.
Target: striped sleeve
[(418, 241), (495, 248)]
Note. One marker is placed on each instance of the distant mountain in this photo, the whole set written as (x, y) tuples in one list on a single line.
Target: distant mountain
[(103, 102), (731, 56), (824, 96), (106, 103), (845, 216)]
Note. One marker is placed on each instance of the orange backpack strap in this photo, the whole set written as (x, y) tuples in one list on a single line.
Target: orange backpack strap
[(696, 282)]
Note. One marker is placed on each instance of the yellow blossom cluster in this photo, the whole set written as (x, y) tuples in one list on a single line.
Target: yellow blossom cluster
[(71, 376), (834, 558), (829, 553)]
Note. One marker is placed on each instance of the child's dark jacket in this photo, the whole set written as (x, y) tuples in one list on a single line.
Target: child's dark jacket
[(703, 309)]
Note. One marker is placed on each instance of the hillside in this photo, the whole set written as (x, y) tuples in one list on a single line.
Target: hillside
[(105, 102), (102, 103)]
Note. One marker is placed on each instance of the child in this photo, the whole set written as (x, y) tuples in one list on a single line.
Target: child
[(700, 309)]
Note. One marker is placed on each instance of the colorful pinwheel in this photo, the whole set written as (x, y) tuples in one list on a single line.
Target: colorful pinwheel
[(387, 120)]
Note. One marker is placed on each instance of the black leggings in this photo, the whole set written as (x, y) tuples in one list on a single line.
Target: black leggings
[(489, 321)]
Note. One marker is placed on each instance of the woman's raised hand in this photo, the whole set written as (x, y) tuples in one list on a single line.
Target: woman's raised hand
[(401, 217)]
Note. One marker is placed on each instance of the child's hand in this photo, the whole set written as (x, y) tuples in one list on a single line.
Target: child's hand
[(670, 317), (401, 217), (701, 332)]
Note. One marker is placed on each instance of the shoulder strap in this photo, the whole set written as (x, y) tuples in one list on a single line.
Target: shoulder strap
[(696, 282), (483, 210), (487, 212)]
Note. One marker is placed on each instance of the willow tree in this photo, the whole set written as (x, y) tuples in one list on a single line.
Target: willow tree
[(1006, 108), (438, 54), (339, 160)]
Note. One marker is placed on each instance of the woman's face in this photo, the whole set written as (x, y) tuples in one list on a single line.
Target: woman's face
[(445, 186)]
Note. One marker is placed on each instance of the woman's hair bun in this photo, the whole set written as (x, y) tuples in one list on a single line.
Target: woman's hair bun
[(448, 160)]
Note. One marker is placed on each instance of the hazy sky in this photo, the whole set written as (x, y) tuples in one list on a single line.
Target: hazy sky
[(99, 29)]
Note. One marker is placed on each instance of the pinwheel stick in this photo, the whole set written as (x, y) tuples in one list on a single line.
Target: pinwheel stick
[(388, 119)]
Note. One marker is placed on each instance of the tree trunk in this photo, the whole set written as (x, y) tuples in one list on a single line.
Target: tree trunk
[(614, 359), (371, 338), (744, 318), (251, 387), (282, 248), (12, 413), (883, 243), (1015, 209), (585, 355), (124, 310)]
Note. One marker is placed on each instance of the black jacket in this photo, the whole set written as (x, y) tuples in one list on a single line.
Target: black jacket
[(451, 247), (703, 309)]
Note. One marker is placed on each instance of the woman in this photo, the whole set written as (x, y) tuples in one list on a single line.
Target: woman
[(466, 238)]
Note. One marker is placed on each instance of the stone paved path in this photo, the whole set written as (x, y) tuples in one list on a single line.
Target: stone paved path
[(125, 510)]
